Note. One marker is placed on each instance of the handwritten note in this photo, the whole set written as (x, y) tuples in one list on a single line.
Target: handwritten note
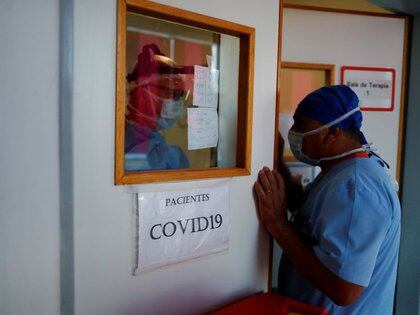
[(212, 88), (200, 77), (206, 86), (203, 128)]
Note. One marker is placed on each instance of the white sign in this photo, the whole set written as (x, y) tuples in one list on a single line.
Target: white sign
[(206, 86), (374, 87), (203, 128), (179, 225)]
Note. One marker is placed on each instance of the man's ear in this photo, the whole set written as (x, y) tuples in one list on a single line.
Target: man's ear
[(332, 135)]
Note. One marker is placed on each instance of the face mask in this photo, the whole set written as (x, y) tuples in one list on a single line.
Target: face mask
[(296, 140), (171, 109)]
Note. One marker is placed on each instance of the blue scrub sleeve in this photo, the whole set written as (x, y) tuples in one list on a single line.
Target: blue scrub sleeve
[(355, 220), (166, 156)]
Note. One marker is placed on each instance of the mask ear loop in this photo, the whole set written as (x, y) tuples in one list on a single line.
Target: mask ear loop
[(332, 123)]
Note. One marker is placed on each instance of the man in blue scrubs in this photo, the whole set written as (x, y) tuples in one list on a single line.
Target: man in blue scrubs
[(340, 249)]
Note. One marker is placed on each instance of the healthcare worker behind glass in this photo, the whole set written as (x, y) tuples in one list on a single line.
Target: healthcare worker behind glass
[(340, 249), (154, 103)]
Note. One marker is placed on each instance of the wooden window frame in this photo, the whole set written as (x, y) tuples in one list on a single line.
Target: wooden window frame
[(246, 37), (329, 68)]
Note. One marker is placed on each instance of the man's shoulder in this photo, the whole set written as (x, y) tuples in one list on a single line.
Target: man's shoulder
[(369, 186), (361, 171), (354, 179)]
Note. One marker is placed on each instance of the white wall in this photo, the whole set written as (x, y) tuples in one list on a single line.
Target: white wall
[(103, 212), (29, 202), (351, 40)]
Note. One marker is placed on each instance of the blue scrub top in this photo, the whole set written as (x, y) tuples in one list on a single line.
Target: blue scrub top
[(148, 150), (351, 215)]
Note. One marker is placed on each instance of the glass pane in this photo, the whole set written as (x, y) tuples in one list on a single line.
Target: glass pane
[(181, 96)]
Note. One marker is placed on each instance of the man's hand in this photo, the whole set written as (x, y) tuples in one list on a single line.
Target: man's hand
[(271, 203), (293, 185), (271, 198)]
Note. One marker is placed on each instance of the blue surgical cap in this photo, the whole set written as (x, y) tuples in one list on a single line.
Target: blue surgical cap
[(331, 102)]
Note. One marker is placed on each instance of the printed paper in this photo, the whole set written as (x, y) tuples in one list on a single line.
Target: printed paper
[(178, 225)]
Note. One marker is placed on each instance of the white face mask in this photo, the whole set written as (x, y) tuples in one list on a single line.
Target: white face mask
[(296, 141), (171, 108), (170, 111)]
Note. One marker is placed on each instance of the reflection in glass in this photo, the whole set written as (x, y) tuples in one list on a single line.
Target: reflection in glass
[(160, 60)]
